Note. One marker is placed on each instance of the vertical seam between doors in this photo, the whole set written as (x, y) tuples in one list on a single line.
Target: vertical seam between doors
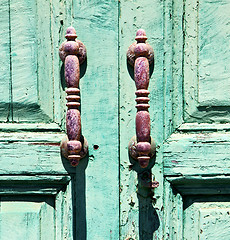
[(118, 86)]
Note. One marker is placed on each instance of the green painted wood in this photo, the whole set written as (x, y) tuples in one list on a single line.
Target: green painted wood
[(214, 37), (99, 199), (33, 89), (24, 60), (206, 217), (45, 59), (21, 219), (139, 216), (64, 213), (195, 150), (195, 185), (173, 213), (5, 72), (59, 14), (36, 216), (205, 71), (32, 158), (97, 27), (195, 154), (31, 185), (33, 81), (32, 68), (214, 223)]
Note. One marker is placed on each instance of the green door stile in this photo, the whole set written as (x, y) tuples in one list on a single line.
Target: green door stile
[(97, 27), (140, 218)]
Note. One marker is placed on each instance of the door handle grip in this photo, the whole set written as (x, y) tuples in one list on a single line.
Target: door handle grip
[(73, 53), (140, 55)]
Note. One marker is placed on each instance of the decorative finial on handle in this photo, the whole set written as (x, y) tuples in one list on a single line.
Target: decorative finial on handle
[(140, 55), (73, 52)]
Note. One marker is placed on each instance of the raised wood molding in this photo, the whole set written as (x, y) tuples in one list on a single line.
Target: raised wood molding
[(31, 185)]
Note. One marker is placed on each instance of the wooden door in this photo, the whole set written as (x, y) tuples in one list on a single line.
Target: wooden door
[(41, 195), (196, 148)]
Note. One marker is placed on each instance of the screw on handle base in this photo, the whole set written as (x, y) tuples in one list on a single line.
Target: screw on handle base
[(65, 152), (144, 160)]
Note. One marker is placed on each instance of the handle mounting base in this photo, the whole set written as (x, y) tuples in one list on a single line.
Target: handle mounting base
[(133, 146), (65, 153)]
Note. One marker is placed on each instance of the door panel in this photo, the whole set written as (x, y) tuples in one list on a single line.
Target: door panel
[(5, 57), (35, 187), (36, 207), (206, 72), (31, 61), (196, 149), (195, 206), (206, 217), (214, 52), (27, 218)]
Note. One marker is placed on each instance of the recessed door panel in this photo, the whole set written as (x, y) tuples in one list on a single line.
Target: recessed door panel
[(28, 218), (206, 217), (214, 53), (27, 82), (5, 79), (206, 69)]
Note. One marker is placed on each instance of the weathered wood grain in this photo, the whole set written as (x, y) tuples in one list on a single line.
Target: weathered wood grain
[(30, 218), (29, 127), (134, 209), (194, 156), (173, 213), (24, 57), (206, 72), (64, 213), (198, 127), (214, 223), (45, 58), (31, 153), (29, 44), (31, 41), (197, 184), (96, 24), (5, 67), (60, 15), (25, 151), (190, 61), (174, 95), (53, 214), (214, 53), (197, 154), (33, 185), (206, 217)]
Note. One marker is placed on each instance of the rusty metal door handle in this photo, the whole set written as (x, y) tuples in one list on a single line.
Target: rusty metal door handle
[(140, 55), (73, 53)]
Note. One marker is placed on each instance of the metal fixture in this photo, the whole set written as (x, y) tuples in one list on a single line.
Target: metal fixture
[(73, 53), (140, 55), (146, 184)]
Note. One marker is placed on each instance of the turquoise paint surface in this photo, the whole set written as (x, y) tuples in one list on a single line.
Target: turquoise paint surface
[(190, 120)]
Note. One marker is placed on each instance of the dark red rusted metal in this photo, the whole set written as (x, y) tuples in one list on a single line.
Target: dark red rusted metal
[(147, 180), (73, 52), (140, 55), (146, 184)]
